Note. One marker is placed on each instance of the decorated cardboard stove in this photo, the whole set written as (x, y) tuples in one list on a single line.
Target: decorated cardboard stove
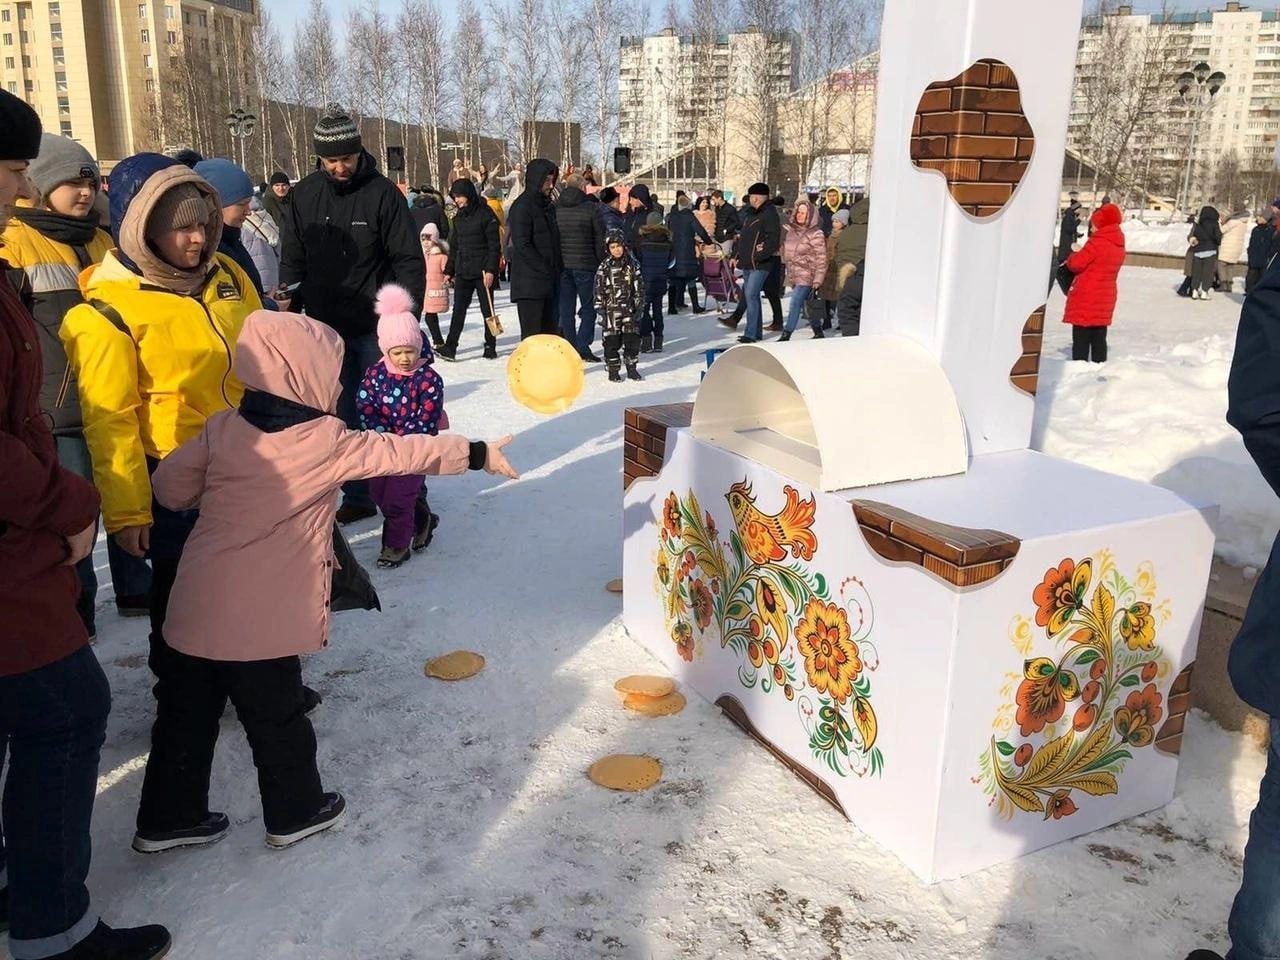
[(973, 650)]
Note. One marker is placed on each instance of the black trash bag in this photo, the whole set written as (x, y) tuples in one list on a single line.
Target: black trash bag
[(1065, 278), (351, 588)]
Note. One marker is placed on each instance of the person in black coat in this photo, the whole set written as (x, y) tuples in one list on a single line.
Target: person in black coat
[(1253, 664), (535, 251), (758, 246), (472, 266), (654, 255), (639, 206), (1261, 242), (347, 234), (427, 208), (728, 223), (611, 218), (1206, 238), (582, 250), (685, 231)]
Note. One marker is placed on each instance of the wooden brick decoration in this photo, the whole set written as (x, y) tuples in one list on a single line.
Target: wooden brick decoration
[(971, 129), (644, 441), (1025, 374), (732, 708), (1169, 736), (961, 557)]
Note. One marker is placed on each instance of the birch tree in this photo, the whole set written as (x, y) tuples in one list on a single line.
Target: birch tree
[(371, 63), (423, 42), (525, 71), (571, 43), (602, 50), (470, 69), (318, 56)]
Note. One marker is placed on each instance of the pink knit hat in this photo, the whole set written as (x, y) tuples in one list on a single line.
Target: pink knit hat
[(397, 326)]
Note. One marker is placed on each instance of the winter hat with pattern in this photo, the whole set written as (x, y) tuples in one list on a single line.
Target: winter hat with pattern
[(397, 324), (232, 183), (336, 135), (61, 160), (21, 126), (182, 206)]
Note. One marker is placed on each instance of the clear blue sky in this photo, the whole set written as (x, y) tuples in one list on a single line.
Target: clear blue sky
[(287, 12)]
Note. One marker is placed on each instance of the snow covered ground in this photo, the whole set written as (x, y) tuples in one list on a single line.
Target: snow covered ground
[(473, 832)]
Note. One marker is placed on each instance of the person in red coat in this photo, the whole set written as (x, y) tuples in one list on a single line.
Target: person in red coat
[(54, 697), (1092, 298)]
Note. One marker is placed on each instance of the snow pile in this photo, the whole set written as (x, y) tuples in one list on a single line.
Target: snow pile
[(1162, 237), (1156, 410)]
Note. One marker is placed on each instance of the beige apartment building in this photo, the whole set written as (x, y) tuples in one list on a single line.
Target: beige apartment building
[(123, 76)]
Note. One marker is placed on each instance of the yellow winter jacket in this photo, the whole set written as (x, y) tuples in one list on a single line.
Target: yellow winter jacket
[(145, 393)]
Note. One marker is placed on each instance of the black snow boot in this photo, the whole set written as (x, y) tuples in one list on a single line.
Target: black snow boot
[(425, 530), (490, 352), (126, 943), (615, 375), (310, 699), (818, 334), (646, 343), (1204, 955), (212, 829), (348, 513), (786, 335), (329, 814), (657, 343), (632, 372)]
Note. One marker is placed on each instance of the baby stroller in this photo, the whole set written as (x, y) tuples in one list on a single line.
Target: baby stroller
[(718, 279)]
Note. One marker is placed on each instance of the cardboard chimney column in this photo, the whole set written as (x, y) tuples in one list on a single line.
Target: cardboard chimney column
[(971, 649)]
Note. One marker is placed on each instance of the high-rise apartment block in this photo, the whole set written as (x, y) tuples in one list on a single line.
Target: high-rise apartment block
[(122, 76)]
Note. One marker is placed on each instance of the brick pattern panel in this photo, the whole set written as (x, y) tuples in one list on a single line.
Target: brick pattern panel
[(644, 441), (1169, 736), (1025, 374), (733, 709), (971, 129), (961, 557)]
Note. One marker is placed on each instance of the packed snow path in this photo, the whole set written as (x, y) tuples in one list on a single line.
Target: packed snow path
[(473, 831)]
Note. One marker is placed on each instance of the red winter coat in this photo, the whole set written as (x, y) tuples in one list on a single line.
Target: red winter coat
[(41, 505), (1092, 299)]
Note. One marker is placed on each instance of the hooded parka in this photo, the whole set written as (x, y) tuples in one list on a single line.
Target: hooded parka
[(535, 237)]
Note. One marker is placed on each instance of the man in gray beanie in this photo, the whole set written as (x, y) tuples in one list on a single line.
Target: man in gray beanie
[(348, 231)]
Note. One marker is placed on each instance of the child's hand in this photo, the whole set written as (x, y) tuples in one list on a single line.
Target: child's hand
[(496, 462)]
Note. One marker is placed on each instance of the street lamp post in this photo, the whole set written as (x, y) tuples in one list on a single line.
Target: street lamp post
[(1196, 88), (241, 124)]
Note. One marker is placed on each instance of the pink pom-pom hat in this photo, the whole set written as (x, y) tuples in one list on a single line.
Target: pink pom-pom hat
[(397, 324)]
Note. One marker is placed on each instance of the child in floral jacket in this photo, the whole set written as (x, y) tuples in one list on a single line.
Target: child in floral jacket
[(401, 394), (619, 300)]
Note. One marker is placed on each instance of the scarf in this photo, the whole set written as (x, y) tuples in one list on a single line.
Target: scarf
[(271, 414), (234, 248), (59, 227)]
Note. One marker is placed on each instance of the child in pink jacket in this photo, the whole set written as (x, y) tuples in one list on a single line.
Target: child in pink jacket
[(401, 394), (436, 302), (252, 591)]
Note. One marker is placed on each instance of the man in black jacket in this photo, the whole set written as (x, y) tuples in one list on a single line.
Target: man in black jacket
[(474, 252), (582, 250), (535, 251), (349, 232), (727, 221), (758, 246)]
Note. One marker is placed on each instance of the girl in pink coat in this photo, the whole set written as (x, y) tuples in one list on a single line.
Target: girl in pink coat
[(804, 251), (436, 302), (252, 591)]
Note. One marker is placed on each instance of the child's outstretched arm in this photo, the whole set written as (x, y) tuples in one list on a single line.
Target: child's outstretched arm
[(359, 455), (178, 482)]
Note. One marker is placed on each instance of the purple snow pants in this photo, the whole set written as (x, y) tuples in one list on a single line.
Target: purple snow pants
[(397, 498)]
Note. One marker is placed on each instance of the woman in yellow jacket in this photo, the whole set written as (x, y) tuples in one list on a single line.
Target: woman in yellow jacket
[(153, 349), (48, 241)]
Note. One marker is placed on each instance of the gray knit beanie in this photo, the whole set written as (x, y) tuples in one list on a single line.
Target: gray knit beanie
[(182, 206), (336, 134), (61, 160)]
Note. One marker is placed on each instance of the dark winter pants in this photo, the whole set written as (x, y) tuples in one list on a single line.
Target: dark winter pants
[(463, 289), (1255, 918), (578, 289), (1251, 279), (191, 694), (539, 316), (651, 319), (358, 355), (54, 721), (130, 576), (629, 344), (676, 288), (773, 291), (849, 306), (1204, 270), (433, 328), (402, 508), (1089, 343)]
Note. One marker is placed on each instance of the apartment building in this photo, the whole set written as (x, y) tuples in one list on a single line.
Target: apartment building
[(674, 90), (1241, 40), (115, 74)]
